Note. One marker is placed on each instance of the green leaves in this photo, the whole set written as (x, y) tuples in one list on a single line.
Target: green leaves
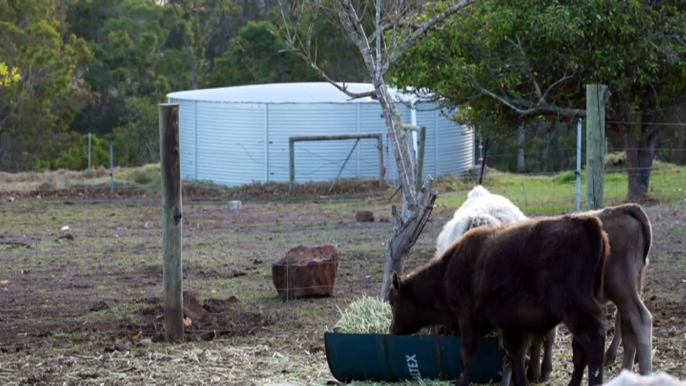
[(520, 50), (41, 90), (8, 76)]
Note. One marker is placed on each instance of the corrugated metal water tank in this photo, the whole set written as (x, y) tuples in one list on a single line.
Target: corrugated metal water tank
[(239, 135)]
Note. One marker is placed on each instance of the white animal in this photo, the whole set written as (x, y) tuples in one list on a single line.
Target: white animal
[(482, 208), (627, 378)]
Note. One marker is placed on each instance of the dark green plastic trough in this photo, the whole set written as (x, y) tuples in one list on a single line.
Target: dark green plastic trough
[(394, 358)]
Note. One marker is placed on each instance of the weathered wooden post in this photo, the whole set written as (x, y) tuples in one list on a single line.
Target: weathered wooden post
[(291, 165), (111, 169), (578, 165), (172, 226), (420, 158), (89, 151), (596, 96)]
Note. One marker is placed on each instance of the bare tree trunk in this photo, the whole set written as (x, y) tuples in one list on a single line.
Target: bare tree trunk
[(416, 209), (406, 230), (639, 159), (379, 55)]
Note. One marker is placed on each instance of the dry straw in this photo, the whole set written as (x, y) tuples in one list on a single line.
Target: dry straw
[(221, 363), (207, 363), (365, 315), (369, 315)]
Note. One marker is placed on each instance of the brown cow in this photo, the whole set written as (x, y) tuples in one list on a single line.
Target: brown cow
[(523, 278), (630, 233)]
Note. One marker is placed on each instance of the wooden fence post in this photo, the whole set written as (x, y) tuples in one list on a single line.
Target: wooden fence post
[(596, 96), (172, 226), (420, 158), (291, 165), (111, 169)]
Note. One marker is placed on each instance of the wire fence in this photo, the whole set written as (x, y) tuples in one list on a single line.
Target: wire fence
[(555, 185), (72, 238)]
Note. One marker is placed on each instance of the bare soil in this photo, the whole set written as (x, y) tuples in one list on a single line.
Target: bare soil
[(103, 288)]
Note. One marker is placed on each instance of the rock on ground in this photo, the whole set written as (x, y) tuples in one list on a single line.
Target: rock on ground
[(364, 216), (306, 272)]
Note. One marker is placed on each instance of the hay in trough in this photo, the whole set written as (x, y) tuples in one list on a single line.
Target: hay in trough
[(370, 315), (366, 315)]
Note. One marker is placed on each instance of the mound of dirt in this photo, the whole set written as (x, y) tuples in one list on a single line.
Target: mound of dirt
[(210, 319)]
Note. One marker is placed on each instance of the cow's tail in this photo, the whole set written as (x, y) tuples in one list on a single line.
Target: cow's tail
[(599, 252), (635, 211)]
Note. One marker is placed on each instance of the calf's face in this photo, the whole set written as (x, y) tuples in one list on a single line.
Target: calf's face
[(407, 314)]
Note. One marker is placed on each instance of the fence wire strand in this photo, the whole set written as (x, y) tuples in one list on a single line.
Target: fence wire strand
[(118, 239)]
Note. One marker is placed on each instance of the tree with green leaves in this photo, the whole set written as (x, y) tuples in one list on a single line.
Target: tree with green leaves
[(258, 55), (199, 23), (37, 106), (8, 76), (509, 60)]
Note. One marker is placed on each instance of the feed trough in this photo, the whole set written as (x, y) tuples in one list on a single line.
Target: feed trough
[(394, 358)]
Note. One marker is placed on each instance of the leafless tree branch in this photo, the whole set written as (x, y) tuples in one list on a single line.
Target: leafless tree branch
[(295, 45), (525, 108), (564, 78), (379, 54)]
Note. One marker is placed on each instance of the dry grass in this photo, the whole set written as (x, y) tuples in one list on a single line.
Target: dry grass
[(59, 179), (216, 362), (148, 177), (113, 251), (367, 315), (188, 364)]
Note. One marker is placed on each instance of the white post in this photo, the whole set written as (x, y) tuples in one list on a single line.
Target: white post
[(89, 151), (413, 134), (578, 165)]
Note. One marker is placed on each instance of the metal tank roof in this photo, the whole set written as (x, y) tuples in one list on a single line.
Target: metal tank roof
[(282, 93)]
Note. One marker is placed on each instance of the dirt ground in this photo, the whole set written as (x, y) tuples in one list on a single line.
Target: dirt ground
[(94, 289)]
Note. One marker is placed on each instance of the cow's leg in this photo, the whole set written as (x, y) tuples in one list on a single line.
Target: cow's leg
[(589, 333), (642, 325), (547, 364), (516, 345), (611, 353), (470, 334), (637, 329), (580, 359), (533, 373), (629, 339)]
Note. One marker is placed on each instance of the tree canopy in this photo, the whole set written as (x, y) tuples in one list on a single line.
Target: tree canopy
[(39, 95), (506, 60), (70, 67)]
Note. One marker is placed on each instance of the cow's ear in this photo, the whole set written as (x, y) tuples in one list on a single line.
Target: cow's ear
[(396, 282)]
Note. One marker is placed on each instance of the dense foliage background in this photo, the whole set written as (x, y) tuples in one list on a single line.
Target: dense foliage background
[(70, 67)]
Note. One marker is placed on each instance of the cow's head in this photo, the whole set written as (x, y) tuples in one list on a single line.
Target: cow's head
[(407, 313)]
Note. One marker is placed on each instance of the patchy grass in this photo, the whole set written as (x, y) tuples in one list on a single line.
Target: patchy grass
[(534, 194), (147, 179), (50, 288), (541, 194)]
